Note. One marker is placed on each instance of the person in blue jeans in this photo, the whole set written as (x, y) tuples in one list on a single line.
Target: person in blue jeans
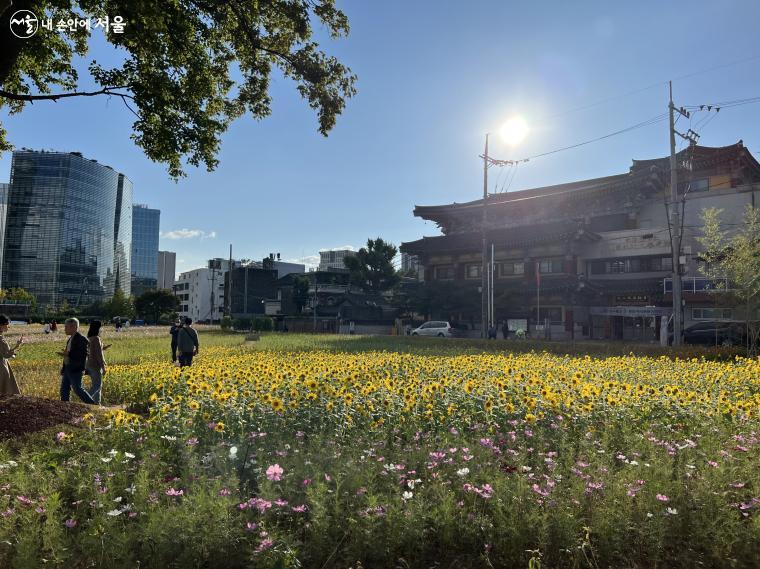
[(96, 361), (74, 359)]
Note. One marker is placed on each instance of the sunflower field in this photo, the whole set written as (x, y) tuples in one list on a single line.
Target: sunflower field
[(283, 456)]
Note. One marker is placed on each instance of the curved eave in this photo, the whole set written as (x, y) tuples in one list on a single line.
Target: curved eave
[(517, 237)]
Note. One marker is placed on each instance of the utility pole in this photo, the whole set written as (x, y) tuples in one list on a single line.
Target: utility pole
[(213, 289), (228, 292), (484, 249), (315, 302), (486, 282), (675, 216)]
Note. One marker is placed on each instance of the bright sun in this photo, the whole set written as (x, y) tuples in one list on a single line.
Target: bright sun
[(514, 130)]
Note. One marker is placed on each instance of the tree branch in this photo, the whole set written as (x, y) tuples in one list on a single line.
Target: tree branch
[(56, 96)]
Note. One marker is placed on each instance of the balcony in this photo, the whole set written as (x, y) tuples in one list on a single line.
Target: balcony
[(697, 285)]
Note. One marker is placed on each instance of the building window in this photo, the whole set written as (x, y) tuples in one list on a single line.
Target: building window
[(472, 271), (712, 314), (630, 265), (551, 266), (444, 273), (510, 268), (552, 313)]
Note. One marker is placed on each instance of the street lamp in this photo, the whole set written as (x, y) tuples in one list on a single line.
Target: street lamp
[(512, 132)]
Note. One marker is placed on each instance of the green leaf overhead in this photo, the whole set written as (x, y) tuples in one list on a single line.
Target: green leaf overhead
[(190, 67)]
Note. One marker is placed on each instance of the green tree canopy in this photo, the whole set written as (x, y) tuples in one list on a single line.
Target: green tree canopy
[(372, 266), (735, 256), (154, 303), (119, 305), (190, 66), (300, 292)]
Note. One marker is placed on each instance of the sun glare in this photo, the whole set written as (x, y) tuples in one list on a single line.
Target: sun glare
[(514, 130)]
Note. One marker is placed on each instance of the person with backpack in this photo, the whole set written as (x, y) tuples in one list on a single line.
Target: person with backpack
[(187, 343)]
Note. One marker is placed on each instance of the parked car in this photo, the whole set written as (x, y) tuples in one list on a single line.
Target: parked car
[(437, 328), (719, 333)]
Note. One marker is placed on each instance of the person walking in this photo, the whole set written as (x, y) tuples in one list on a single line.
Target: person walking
[(187, 343), (174, 330), (96, 362), (74, 359), (505, 329), (8, 385)]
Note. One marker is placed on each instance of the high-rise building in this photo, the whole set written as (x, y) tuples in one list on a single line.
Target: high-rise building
[(167, 263), (145, 227), (333, 258), (69, 228), (3, 212)]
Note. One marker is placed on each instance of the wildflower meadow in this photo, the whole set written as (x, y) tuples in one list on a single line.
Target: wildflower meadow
[(309, 452)]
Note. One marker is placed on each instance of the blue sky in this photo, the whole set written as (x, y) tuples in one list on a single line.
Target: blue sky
[(433, 78)]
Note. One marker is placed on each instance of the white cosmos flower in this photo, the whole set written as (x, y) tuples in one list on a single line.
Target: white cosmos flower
[(463, 471), (129, 455), (407, 495), (114, 513), (233, 452)]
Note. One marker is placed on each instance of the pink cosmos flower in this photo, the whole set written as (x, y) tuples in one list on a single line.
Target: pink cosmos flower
[(306, 481), (662, 497), (299, 509), (264, 545), (224, 492), (70, 523), (712, 463), (192, 442), (251, 526), (24, 500), (60, 436), (274, 473), (173, 492)]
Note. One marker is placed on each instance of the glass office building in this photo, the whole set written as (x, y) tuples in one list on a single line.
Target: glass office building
[(69, 228), (3, 212), (145, 224)]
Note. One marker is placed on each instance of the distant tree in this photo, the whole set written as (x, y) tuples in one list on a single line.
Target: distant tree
[(372, 266), (189, 67), (119, 305), (153, 304), (735, 257), (300, 292), (20, 295)]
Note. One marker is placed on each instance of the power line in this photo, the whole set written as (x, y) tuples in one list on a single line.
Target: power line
[(648, 122), (647, 88)]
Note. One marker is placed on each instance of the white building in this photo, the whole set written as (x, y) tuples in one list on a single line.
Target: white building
[(201, 294), (333, 258), (167, 263)]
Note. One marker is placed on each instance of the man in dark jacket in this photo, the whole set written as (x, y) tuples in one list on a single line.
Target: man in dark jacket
[(74, 358), (187, 343), (176, 327)]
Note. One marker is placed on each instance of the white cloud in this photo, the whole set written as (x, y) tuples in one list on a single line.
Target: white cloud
[(311, 261), (341, 248), (188, 234)]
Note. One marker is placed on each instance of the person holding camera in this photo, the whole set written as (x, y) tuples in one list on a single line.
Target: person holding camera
[(8, 385)]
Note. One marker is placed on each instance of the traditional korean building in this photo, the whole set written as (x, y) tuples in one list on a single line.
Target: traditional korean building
[(594, 254)]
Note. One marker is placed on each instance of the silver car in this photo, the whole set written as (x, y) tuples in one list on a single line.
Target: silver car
[(435, 328)]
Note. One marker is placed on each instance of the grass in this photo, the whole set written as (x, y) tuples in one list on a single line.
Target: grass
[(37, 366)]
